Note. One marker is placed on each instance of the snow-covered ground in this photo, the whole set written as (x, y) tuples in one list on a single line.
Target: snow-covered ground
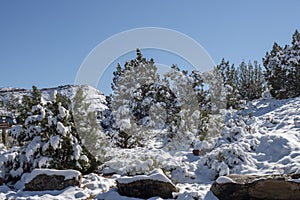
[(262, 139)]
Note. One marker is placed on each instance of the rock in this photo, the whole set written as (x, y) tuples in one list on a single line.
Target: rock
[(201, 148), (202, 152), (267, 187), (147, 186), (49, 179)]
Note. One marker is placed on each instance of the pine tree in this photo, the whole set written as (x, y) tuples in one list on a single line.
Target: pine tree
[(28, 101), (127, 86), (229, 76), (190, 123), (250, 81), (283, 69), (92, 137), (47, 138)]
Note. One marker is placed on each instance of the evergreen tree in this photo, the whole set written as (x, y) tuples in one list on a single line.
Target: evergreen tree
[(142, 104), (283, 69), (243, 83), (92, 137), (47, 138), (28, 101), (190, 123), (128, 83), (229, 76)]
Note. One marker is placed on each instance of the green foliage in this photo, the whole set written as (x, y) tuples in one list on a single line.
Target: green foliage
[(283, 69), (29, 101), (220, 156), (92, 138), (243, 83), (47, 138), (142, 102), (190, 122), (229, 75), (129, 87), (250, 81)]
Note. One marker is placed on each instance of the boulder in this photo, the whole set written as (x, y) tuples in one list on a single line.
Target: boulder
[(147, 186), (201, 148), (202, 152), (50, 179), (279, 186)]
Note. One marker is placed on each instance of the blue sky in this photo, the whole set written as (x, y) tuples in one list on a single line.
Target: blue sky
[(43, 43)]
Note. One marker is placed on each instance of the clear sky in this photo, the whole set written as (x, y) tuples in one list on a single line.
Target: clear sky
[(43, 43)]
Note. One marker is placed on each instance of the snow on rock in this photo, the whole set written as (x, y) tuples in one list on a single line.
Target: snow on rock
[(224, 179), (68, 174), (146, 186), (157, 175), (275, 186), (202, 145)]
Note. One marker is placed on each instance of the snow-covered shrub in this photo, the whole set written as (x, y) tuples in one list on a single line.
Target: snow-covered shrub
[(231, 150), (47, 138), (227, 158), (136, 161)]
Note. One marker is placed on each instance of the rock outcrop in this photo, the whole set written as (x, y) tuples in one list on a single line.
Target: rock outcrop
[(267, 187), (146, 186), (45, 179)]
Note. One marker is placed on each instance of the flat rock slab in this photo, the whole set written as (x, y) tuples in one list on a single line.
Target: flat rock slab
[(48, 179), (269, 187), (146, 186)]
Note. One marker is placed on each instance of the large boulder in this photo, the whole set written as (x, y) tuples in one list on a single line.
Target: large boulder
[(50, 179), (146, 186), (266, 187)]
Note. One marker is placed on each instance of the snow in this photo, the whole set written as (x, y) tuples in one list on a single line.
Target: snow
[(32, 147), (62, 111), (77, 151), (62, 129), (156, 175), (17, 172), (54, 141), (224, 179), (68, 174), (262, 139), (38, 117), (44, 162), (202, 145)]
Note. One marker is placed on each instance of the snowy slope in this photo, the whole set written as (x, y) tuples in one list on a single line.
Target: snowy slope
[(262, 139), (94, 96)]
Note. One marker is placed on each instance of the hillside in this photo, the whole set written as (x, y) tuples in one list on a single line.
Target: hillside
[(264, 138), (95, 97)]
